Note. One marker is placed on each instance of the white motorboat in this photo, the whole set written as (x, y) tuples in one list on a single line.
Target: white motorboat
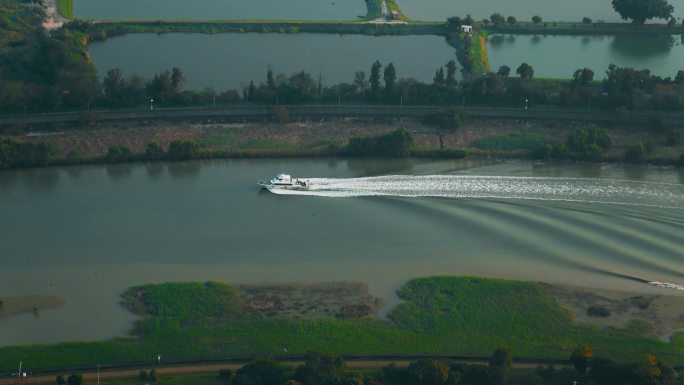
[(284, 182)]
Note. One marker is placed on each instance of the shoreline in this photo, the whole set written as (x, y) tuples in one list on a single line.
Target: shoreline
[(477, 138)]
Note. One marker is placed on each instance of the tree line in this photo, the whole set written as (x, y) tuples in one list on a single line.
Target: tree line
[(321, 368)]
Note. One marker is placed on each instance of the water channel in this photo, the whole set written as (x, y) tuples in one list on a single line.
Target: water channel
[(87, 233)]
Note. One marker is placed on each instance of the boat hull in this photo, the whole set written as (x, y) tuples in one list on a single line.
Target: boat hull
[(271, 187)]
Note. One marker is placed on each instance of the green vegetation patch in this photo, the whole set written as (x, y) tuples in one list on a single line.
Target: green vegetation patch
[(512, 142), (439, 315), (65, 8), (185, 301)]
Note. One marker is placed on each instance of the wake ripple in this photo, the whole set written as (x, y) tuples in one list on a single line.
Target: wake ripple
[(590, 190)]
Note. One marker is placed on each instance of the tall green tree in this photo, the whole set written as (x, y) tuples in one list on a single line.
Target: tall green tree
[(428, 372), (320, 369), (497, 19), (114, 87), (438, 81), (641, 10), (260, 372), (451, 74), (375, 78), (525, 71), (390, 77)]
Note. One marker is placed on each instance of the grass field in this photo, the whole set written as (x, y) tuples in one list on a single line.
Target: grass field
[(521, 141), (65, 8), (438, 315)]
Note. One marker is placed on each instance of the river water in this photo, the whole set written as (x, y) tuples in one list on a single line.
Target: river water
[(231, 60), (560, 56), (87, 233)]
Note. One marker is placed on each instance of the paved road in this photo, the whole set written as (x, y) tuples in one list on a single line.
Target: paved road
[(317, 112)]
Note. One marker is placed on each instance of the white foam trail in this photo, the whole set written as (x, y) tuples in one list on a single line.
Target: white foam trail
[(500, 187)]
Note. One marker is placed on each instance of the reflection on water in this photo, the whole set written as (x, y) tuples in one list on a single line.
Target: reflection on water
[(184, 169), (119, 171), (110, 227), (640, 46), (154, 169), (560, 56)]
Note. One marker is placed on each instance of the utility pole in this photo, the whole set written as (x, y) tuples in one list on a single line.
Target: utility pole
[(19, 374), (98, 374)]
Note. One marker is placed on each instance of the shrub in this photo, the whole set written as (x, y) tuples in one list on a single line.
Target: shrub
[(118, 153), (598, 311), (395, 143), (636, 153), (589, 142), (184, 150), (225, 374), (75, 379), (154, 151)]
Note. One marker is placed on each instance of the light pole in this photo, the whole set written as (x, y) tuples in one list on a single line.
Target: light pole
[(214, 100), (151, 106), (19, 374), (526, 100), (98, 374)]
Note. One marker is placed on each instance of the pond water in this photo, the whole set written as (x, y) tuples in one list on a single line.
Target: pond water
[(219, 9), (549, 10), (231, 60), (87, 233), (560, 56)]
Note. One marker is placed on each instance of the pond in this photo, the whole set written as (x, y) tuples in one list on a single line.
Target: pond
[(560, 56), (219, 9), (231, 60)]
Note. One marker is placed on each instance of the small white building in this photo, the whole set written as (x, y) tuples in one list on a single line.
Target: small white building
[(467, 28)]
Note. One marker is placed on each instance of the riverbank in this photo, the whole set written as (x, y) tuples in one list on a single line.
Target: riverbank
[(479, 137), (225, 323)]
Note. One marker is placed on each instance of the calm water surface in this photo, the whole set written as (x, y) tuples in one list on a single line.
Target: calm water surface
[(558, 10), (87, 233), (231, 60), (560, 56), (220, 9), (549, 10)]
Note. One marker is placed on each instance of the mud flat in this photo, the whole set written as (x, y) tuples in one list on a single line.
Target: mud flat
[(10, 306), (660, 315)]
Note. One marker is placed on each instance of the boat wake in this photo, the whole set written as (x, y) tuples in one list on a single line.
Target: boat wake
[(589, 190)]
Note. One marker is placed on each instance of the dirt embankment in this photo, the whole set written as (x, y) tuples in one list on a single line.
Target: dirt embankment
[(95, 140)]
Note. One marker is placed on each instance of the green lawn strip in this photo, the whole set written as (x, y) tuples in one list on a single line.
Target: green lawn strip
[(105, 29), (65, 8), (511, 142), (439, 315)]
